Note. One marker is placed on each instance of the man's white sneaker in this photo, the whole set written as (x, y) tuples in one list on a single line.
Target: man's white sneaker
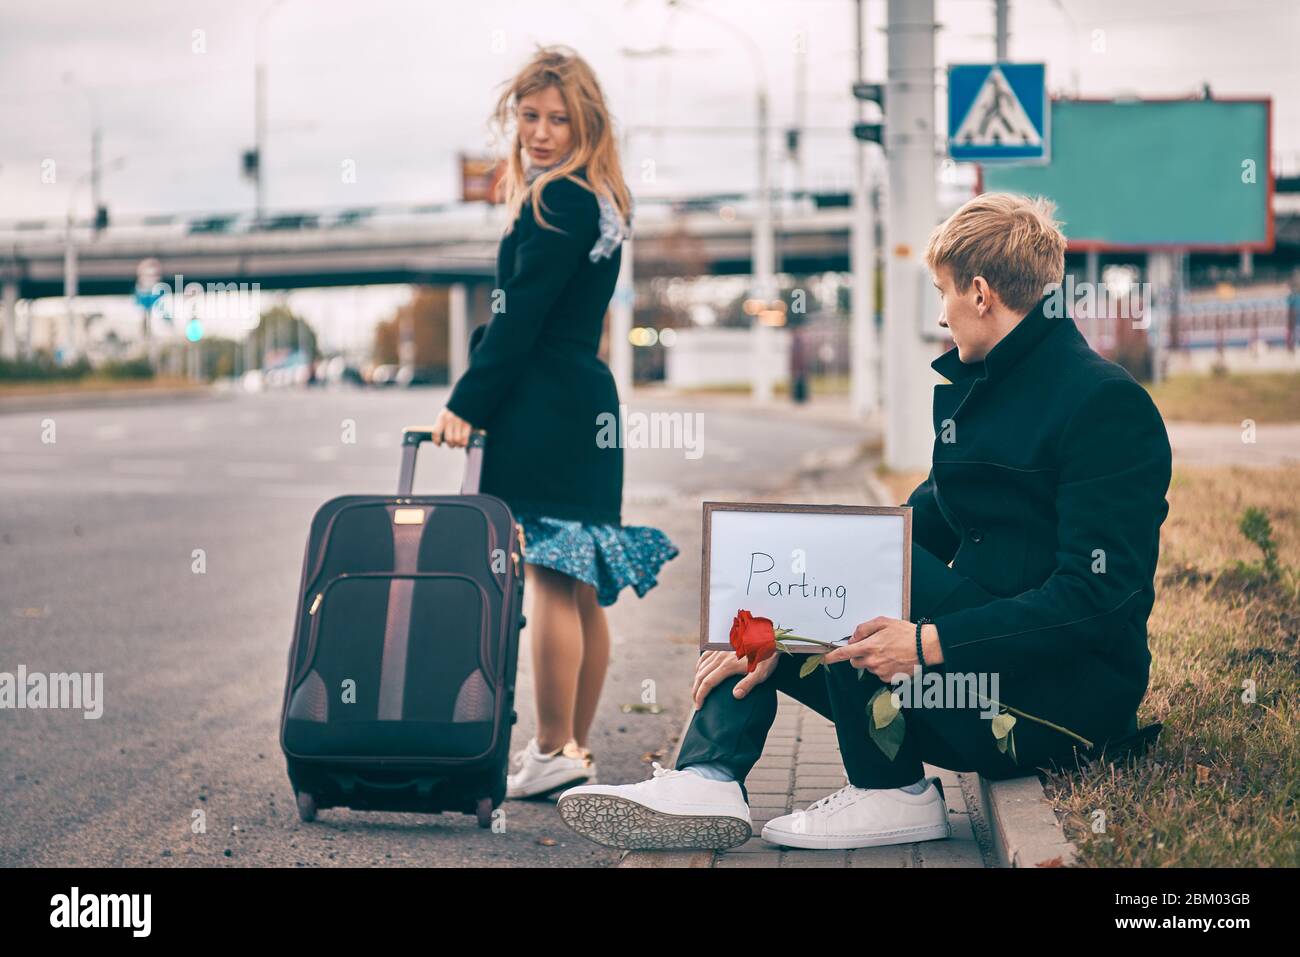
[(537, 774), (672, 810), (864, 817)]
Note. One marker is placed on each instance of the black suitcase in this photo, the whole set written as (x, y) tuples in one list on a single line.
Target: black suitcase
[(400, 692)]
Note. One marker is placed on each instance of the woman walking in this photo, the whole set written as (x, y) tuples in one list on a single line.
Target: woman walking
[(536, 384)]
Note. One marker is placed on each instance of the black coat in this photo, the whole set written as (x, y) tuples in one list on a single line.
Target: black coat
[(1047, 493), (534, 381)]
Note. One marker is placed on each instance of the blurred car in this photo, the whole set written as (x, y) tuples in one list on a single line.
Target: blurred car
[(383, 375), (412, 376)]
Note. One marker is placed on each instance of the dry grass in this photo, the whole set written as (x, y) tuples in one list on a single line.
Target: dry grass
[(1221, 786), (95, 384), (1264, 397)]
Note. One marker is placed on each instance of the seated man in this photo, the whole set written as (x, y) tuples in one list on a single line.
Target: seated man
[(1045, 495)]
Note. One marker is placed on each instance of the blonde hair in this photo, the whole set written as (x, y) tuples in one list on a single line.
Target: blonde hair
[(593, 144), (1010, 240)]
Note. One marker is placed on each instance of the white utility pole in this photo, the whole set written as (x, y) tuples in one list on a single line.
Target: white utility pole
[(864, 348), (457, 331), (909, 150), (764, 272), (620, 325), (9, 314)]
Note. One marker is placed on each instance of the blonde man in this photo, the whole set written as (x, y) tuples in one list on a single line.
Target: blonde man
[(1035, 538)]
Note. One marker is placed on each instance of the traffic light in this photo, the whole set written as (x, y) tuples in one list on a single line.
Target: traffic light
[(251, 162), (101, 218), (870, 131), (871, 93)]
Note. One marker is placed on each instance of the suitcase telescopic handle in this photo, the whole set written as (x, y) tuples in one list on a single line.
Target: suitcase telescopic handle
[(412, 436)]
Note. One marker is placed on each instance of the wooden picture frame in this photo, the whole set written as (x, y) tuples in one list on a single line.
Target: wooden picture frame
[(706, 552)]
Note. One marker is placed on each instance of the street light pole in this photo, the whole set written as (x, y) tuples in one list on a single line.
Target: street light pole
[(864, 387), (764, 249), (259, 111), (75, 333), (1000, 14)]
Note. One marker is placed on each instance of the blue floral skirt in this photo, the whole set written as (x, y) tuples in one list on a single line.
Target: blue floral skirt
[(607, 557)]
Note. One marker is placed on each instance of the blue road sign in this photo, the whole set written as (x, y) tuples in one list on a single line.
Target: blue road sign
[(998, 112)]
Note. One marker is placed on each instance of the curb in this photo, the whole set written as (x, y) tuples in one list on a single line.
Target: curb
[(1023, 824), (878, 490), (93, 398), (833, 411), (669, 858)]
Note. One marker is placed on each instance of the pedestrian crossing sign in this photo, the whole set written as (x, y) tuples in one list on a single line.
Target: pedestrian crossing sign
[(998, 112)]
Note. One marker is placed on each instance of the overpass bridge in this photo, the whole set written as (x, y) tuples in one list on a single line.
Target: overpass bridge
[(440, 246)]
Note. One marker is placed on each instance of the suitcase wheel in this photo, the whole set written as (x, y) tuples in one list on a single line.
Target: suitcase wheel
[(484, 812), (306, 807)]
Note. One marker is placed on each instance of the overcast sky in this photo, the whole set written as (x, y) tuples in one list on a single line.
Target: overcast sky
[(401, 86)]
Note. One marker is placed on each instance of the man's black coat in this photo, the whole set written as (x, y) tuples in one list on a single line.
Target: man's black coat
[(1047, 493)]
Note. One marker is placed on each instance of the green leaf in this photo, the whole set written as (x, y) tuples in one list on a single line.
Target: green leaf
[(1002, 744), (882, 708), (809, 666), (1002, 725), (1011, 744), (780, 646), (890, 737)]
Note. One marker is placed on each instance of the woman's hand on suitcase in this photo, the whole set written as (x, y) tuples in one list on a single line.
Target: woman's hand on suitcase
[(450, 428), (714, 667)]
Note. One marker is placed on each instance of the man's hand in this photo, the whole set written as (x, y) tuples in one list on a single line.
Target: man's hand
[(450, 428), (887, 647), (715, 667)]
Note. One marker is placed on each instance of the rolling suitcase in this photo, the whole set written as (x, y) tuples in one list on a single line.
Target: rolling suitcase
[(400, 692)]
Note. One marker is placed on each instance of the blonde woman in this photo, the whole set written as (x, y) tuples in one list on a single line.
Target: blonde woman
[(536, 384)]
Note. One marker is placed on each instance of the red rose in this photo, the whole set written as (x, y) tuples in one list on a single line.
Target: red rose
[(753, 638)]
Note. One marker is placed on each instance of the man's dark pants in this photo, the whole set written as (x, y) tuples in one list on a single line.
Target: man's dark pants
[(731, 732)]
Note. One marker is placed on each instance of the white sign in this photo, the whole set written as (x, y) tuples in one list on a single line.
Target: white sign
[(819, 570)]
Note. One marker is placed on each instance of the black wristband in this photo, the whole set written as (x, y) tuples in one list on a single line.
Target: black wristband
[(920, 656)]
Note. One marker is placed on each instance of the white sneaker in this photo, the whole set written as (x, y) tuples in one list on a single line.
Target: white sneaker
[(864, 817), (537, 774), (671, 810)]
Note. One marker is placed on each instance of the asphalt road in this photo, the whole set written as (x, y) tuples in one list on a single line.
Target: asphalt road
[(98, 531)]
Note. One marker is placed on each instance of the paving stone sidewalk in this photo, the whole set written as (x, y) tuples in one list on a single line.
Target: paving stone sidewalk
[(801, 763)]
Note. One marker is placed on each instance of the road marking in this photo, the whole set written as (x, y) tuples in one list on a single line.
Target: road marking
[(160, 467), (315, 493), (260, 470), (36, 461)]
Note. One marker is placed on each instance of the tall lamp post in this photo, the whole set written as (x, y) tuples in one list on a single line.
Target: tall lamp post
[(764, 284), (255, 166), (74, 333)]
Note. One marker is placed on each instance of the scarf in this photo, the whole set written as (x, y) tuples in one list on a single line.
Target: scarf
[(613, 228)]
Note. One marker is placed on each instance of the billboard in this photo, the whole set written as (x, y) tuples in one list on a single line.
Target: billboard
[(1155, 174)]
